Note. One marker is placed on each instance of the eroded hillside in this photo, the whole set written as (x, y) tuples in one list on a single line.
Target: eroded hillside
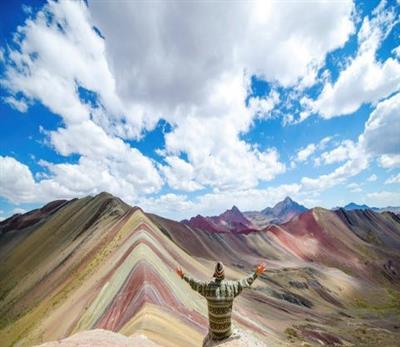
[(97, 263)]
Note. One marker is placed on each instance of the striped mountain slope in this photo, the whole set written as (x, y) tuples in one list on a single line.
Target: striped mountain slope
[(97, 263)]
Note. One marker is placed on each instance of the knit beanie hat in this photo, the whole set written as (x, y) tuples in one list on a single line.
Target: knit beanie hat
[(219, 271)]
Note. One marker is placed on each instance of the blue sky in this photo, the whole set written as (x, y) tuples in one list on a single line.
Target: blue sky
[(195, 107)]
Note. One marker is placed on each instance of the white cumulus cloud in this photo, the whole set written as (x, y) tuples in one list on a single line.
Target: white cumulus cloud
[(383, 198), (16, 180), (393, 179), (364, 79), (188, 63), (388, 161), (304, 153), (372, 178), (381, 133)]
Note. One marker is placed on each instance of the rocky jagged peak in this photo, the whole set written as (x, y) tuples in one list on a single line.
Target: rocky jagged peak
[(282, 212), (289, 203), (288, 200), (354, 206), (234, 211), (232, 220), (234, 215)]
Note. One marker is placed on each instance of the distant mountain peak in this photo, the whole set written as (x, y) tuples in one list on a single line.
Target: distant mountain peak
[(354, 206), (282, 212), (288, 203), (232, 220), (235, 220), (235, 209)]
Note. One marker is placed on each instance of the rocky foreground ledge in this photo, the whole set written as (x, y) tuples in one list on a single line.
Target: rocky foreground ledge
[(106, 338), (238, 339), (101, 338)]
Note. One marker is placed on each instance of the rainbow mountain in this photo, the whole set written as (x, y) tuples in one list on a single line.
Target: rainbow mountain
[(73, 267)]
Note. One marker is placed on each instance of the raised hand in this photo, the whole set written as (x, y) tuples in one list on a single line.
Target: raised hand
[(260, 269), (179, 271)]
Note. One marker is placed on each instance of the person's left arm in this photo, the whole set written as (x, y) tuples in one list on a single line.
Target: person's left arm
[(198, 286)]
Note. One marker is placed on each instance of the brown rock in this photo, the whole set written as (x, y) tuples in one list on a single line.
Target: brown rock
[(239, 338)]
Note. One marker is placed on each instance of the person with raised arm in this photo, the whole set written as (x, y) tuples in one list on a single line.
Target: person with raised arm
[(220, 294)]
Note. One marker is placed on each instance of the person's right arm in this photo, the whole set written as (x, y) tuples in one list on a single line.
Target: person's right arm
[(248, 281)]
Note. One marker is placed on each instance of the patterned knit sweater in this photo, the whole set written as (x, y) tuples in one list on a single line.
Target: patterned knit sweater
[(220, 295)]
